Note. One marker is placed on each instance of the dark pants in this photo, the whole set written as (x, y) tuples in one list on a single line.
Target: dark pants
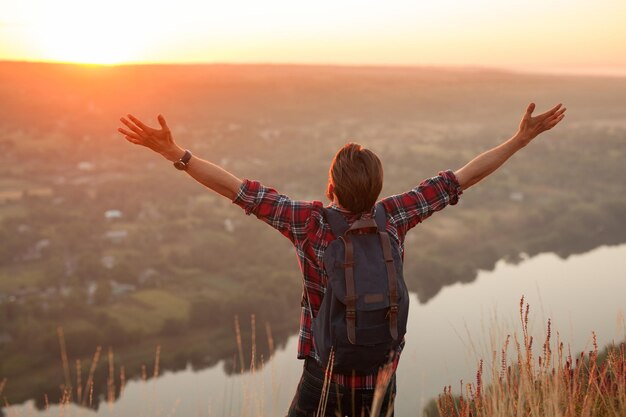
[(342, 401)]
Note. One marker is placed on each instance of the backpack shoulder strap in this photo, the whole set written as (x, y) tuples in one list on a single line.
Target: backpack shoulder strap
[(381, 222), (337, 223), (381, 217)]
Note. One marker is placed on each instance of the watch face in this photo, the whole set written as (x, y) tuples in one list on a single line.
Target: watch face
[(180, 165)]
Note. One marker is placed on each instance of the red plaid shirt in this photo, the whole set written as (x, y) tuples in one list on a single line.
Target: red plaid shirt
[(304, 224)]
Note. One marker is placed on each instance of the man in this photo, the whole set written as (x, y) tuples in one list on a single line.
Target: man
[(355, 181)]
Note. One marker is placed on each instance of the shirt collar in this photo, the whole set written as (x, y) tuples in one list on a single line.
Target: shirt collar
[(340, 209), (348, 213)]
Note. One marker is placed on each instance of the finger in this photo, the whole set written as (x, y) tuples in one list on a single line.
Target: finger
[(162, 122), (139, 123), (550, 112), (529, 110), (127, 133), (555, 121), (132, 127), (135, 128), (132, 140), (555, 108), (561, 117), (556, 115)]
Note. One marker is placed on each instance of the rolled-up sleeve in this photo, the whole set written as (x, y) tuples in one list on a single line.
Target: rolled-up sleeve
[(433, 194), (289, 217)]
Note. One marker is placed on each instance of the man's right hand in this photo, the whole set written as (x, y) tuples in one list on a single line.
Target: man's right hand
[(487, 162), (530, 127), (159, 140)]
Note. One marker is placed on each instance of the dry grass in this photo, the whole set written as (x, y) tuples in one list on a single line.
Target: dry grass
[(555, 384), (77, 390), (383, 379)]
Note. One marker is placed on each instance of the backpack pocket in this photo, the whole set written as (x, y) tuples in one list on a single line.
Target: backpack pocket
[(368, 354)]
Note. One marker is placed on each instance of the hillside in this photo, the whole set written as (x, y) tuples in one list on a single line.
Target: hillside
[(109, 241)]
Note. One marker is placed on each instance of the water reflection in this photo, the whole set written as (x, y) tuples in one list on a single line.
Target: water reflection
[(580, 294)]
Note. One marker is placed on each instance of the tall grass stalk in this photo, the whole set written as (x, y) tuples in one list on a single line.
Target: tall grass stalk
[(79, 375), (275, 387), (321, 409), (92, 370), (66, 366), (555, 384), (382, 383), (111, 379), (46, 404)]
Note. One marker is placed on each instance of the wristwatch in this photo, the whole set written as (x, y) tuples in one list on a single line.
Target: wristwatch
[(183, 162)]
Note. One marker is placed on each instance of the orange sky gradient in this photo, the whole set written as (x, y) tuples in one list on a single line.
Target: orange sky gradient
[(570, 36)]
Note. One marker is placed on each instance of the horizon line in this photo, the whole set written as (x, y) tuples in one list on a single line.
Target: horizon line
[(553, 71)]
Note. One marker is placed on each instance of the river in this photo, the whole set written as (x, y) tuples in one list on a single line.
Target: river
[(446, 338)]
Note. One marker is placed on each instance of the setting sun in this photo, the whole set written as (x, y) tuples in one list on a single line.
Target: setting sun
[(84, 42), (86, 32)]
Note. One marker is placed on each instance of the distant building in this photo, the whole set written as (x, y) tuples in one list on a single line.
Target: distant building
[(34, 252), (108, 261), (39, 192), (91, 289), (8, 196), (65, 290), (118, 288), (85, 166), (113, 214), (516, 196), (116, 236), (146, 275), (229, 225)]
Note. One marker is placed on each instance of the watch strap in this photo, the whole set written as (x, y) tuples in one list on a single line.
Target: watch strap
[(183, 162), (186, 157)]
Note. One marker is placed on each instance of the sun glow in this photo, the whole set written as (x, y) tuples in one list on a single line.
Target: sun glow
[(89, 32), (84, 43), (531, 35)]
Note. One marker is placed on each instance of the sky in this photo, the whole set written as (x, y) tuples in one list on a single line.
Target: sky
[(574, 36)]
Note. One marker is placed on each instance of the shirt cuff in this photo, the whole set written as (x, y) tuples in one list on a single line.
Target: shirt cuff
[(246, 196), (452, 186)]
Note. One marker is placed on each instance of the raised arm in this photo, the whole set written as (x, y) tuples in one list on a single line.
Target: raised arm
[(530, 127), (162, 142)]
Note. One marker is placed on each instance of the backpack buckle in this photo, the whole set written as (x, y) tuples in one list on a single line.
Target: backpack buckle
[(393, 309)]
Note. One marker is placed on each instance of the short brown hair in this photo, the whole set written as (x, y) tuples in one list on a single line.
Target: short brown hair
[(357, 177)]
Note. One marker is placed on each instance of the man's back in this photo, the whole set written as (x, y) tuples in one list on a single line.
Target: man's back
[(304, 223)]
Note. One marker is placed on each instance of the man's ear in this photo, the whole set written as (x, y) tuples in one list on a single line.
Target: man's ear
[(330, 191)]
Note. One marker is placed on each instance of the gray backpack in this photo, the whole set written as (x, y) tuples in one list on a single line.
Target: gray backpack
[(364, 311)]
